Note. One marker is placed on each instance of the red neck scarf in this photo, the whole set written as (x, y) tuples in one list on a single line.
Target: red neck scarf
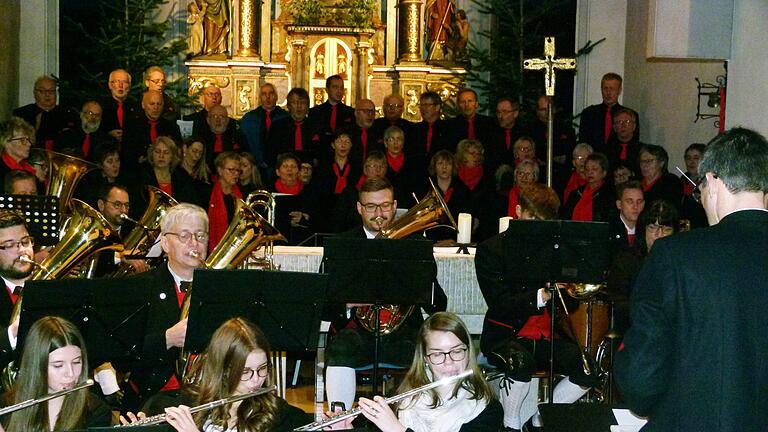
[(471, 176), (297, 144), (166, 187), (576, 181), (21, 165), (508, 138), (688, 188), (290, 190), (86, 145), (217, 214), (218, 145), (268, 120), (648, 186), (429, 136), (364, 141), (333, 118), (608, 126), (514, 193), (361, 181), (448, 194), (396, 162), (471, 127), (341, 178), (583, 209), (120, 113)]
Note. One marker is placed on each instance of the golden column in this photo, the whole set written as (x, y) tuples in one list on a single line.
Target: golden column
[(298, 61), (248, 30), (409, 41), (362, 69)]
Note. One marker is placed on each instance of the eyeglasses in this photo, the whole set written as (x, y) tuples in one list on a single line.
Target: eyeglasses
[(46, 91), (186, 236), (647, 161), (233, 170), (438, 358), (21, 140), (120, 205), (393, 106), (623, 122), (371, 207), (662, 229), (217, 116), (91, 113), (26, 242), (262, 371), (157, 81)]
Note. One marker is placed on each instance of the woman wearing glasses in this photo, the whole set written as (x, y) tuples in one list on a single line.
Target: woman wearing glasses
[(237, 361), (221, 206), (162, 171), (658, 182), (16, 138), (444, 348), (294, 213)]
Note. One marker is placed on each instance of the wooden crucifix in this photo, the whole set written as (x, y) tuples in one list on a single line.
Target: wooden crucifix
[(549, 63)]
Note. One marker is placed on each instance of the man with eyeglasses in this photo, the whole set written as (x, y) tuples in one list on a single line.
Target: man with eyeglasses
[(144, 129), (393, 107), (500, 149), (624, 145), (365, 138), (154, 79), (694, 355), (184, 239), (114, 204), (256, 125), (220, 135), (596, 126), (117, 109), (44, 115), (352, 346), (80, 141), (210, 97), (428, 136)]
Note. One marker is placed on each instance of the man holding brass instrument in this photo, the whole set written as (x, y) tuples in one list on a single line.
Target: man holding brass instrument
[(184, 239)]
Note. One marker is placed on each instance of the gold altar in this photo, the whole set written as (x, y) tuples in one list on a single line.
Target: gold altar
[(290, 52)]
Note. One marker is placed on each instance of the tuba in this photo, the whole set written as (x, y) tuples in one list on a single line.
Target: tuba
[(64, 172), (144, 234), (428, 213), (262, 200)]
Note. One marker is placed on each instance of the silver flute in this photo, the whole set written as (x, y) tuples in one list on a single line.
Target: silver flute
[(32, 402), (318, 425), (161, 418)]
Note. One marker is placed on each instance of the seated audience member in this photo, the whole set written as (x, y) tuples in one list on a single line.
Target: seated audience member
[(345, 216), (162, 171), (579, 174), (18, 182), (222, 204), (46, 117), (332, 177), (404, 171), (516, 330), (193, 161), (250, 176), (470, 157), (691, 209), (293, 200), (630, 201), (221, 134), (54, 358), (595, 201), (657, 181), (442, 171), (16, 137), (526, 174), (81, 140)]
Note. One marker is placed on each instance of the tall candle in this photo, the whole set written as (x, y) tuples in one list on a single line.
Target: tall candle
[(465, 228), (504, 223)]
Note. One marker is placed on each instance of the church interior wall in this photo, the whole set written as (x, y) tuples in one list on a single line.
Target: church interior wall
[(9, 58), (664, 92)]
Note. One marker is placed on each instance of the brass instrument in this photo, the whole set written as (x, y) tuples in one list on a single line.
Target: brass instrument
[(581, 291), (144, 234), (573, 290), (428, 213), (161, 418), (64, 172), (319, 425), (256, 200), (32, 402)]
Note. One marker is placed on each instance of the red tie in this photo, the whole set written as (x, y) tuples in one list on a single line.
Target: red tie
[(333, 118), (218, 146), (623, 155), (508, 138), (297, 138), (631, 239), (471, 128), (86, 144), (364, 141), (429, 137), (269, 121), (608, 123), (120, 113), (153, 130)]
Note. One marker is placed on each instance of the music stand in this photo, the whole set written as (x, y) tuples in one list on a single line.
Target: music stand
[(111, 314), (538, 251), (41, 215), (379, 272)]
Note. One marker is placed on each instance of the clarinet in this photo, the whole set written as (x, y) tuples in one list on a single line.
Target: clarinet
[(32, 402), (318, 425)]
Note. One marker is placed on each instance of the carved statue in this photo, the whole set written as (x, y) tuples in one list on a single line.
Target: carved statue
[(216, 26), (439, 16), (195, 21), (457, 44)]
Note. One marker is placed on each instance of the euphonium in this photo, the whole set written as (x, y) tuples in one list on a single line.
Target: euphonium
[(143, 235), (428, 213), (257, 200), (64, 172)]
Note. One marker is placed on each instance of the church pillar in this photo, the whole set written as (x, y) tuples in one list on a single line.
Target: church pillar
[(409, 42), (248, 29), (361, 88), (297, 76)]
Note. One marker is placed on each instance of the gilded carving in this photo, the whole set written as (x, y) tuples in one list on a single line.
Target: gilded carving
[(244, 97), (197, 84)]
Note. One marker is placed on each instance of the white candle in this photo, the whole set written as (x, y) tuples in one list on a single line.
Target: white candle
[(465, 228), (504, 223)]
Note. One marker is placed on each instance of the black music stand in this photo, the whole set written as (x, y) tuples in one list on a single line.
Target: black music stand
[(110, 313), (41, 215), (380, 272), (285, 305), (537, 251)]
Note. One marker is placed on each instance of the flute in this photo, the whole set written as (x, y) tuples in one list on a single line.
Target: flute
[(161, 418), (353, 412), (31, 402)]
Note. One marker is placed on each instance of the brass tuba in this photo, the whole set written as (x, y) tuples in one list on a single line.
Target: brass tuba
[(143, 235), (64, 172), (257, 200), (428, 213)]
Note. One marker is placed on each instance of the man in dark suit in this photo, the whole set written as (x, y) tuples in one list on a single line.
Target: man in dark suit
[(220, 135), (184, 239), (44, 115), (693, 358), (428, 136), (81, 140), (295, 133), (256, 126), (117, 109), (500, 149), (114, 203), (142, 130), (333, 113), (393, 106), (365, 138), (469, 123), (596, 121), (211, 98), (624, 145)]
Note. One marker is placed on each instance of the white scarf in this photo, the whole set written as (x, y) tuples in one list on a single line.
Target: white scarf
[(448, 416)]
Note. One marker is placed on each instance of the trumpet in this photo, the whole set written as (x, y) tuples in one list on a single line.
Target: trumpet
[(32, 402), (161, 418), (318, 425)]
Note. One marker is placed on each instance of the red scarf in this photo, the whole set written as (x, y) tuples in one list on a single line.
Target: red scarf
[(448, 194), (217, 214), (86, 144), (648, 186), (396, 162), (341, 178), (514, 194), (21, 165), (218, 144), (290, 190), (576, 181), (166, 187), (688, 188), (361, 181), (153, 130), (471, 176), (583, 209)]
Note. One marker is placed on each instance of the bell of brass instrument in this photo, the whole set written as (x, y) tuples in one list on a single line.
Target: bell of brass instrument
[(64, 172), (428, 213), (32, 402), (353, 412), (144, 234), (263, 200), (581, 291)]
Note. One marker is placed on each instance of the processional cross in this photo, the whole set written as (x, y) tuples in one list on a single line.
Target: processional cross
[(549, 63)]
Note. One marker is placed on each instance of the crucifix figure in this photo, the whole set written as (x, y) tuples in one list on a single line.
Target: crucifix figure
[(549, 63)]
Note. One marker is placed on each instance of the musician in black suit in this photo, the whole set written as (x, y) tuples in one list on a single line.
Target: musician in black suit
[(184, 239), (351, 345), (700, 299), (333, 113), (114, 202), (142, 130)]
